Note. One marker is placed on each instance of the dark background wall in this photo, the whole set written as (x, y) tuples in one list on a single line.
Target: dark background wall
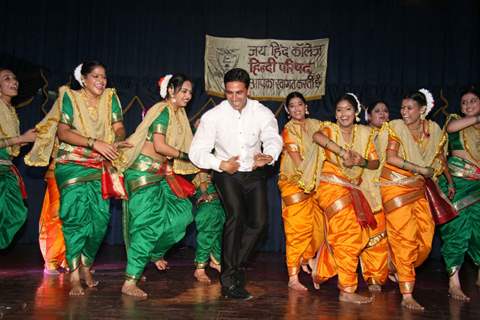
[(378, 49)]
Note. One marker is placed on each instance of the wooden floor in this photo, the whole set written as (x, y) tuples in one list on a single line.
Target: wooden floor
[(25, 293)]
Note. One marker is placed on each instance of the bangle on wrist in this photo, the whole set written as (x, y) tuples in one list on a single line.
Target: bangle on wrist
[(451, 185), (416, 169), (90, 142), (364, 164), (182, 156)]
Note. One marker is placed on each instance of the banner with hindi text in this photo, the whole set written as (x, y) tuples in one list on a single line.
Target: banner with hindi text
[(276, 67)]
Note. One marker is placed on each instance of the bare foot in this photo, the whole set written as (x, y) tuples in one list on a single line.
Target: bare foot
[(88, 277), (374, 288), (457, 294), (201, 276), (77, 289), (354, 298), (215, 266), (393, 277), (410, 303), (50, 272), (130, 289), (76, 286), (316, 286), (294, 283), (161, 264), (306, 268)]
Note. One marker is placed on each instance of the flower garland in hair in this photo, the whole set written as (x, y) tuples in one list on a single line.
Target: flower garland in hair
[(366, 117), (429, 98), (163, 84), (359, 106), (77, 74), (286, 109)]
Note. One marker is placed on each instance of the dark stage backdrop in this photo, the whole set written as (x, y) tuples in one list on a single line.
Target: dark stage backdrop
[(378, 49)]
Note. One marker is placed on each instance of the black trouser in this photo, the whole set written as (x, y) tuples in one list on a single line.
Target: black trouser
[(244, 197)]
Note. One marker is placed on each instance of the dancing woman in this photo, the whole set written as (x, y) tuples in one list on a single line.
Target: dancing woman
[(13, 211), (209, 221), (156, 215), (462, 234), (349, 151), (302, 217), (88, 123), (415, 150), (374, 258)]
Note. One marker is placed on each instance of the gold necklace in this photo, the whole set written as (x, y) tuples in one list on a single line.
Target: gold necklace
[(352, 134), (92, 109)]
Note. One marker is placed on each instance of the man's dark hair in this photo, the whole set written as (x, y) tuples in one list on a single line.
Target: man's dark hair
[(237, 74)]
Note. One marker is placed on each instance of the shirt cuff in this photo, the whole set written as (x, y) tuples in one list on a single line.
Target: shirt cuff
[(215, 164)]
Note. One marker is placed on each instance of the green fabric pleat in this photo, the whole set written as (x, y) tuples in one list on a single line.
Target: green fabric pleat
[(209, 221), (13, 211), (462, 234), (155, 219), (84, 214)]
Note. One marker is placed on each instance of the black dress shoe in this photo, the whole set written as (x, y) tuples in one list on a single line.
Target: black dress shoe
[(234, 292), (239, 276)]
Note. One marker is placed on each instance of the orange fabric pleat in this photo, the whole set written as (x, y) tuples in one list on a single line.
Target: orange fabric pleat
[(52, 244), (410, 229), (303, 225)]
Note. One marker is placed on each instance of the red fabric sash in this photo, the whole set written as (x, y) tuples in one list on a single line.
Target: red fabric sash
[(441, 208), (21, 183), (113, 185), (112, 182), (362, 209)]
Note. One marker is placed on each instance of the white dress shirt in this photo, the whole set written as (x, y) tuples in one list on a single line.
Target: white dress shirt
[(230, 133)]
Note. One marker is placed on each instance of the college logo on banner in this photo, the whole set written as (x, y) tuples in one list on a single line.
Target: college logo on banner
[(276, 67)]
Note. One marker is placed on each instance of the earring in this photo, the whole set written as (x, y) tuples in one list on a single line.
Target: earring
[(422, 116), (306, 111)]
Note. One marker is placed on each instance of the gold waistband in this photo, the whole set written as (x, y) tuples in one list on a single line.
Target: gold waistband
[(149, 165), (337, 206), (395, 178), (91, 177), (4, 162), (468, 171), (295, 198), (403, 200), (134, 185)]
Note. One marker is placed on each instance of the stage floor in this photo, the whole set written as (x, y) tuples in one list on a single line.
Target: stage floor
[(26, 293)]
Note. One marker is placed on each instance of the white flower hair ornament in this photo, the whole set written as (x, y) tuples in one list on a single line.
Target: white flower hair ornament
[(429, 98), (366, 117), (77, 74), (163, 84), (359, 106)]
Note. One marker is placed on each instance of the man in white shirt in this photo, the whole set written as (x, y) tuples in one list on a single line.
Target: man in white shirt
[(237, 130)]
